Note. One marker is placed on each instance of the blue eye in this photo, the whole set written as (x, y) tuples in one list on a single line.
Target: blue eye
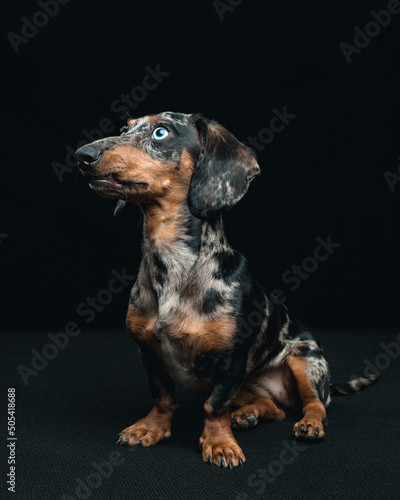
[(160, 133)]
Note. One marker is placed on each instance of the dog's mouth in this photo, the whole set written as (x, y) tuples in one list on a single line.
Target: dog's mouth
[(112, 182)]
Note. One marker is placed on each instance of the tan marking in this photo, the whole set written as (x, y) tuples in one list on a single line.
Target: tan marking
[(298, 367), (154, 119), (164, 198), (132, 121), (162, 221), (313, 409), (187, 163), (141, 327), (130, 164), (217, 440), (260, 407), (191, 334), (204, 335), (153, 428)]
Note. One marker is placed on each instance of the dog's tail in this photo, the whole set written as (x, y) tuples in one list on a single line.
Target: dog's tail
[(352, 386)]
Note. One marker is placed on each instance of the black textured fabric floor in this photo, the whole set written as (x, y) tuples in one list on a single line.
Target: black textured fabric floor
[(69, 414)]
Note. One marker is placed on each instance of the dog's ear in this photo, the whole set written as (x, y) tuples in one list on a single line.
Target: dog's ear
[(223, 171)]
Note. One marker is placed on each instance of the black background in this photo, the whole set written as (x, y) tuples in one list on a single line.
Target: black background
[(323, 175)]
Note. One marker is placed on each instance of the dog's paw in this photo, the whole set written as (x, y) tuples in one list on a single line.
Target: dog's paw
[(309, 430), (248, 416), (145, 432), (242, 419), (222, 451)]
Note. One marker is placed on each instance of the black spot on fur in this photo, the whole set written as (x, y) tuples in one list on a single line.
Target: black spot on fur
[(228, 376), (160, 268), (193, 231), (211, 300), (230, 266), (204, 365)]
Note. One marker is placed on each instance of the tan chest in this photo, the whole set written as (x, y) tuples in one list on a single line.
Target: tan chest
[(181, 340), (197, 333)]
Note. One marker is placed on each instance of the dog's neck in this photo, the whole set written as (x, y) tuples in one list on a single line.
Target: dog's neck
[(174, 236), (167, 224)]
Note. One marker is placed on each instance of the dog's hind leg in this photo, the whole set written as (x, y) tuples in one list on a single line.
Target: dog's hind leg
[(252, 408), (311, 375)]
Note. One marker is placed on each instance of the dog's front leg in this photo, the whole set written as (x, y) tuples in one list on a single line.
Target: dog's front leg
[(156, 426), (217, 441)]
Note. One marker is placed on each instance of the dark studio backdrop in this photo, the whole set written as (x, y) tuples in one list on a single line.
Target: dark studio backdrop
[(314, 87), (330, 171)]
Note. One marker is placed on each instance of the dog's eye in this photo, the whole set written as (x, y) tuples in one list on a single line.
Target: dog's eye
[(160, 133)]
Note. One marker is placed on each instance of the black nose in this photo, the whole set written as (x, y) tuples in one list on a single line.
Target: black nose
[(86, 156)]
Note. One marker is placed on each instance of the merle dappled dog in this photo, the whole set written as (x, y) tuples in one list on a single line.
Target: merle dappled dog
[(194, 291)]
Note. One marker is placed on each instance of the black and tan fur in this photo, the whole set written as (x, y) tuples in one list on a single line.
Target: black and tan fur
[(194, 292)]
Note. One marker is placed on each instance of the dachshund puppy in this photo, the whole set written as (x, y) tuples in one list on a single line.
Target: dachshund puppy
[(190, 309)]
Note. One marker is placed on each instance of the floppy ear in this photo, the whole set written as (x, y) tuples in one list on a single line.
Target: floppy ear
[(223, 171)]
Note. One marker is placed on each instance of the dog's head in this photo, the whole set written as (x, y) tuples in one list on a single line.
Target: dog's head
[(171, 156)]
